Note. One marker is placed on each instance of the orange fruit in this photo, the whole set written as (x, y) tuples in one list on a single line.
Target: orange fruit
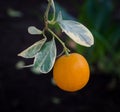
[(71, 73)]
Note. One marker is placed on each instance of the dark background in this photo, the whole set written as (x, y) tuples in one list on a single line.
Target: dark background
[(21, 90)]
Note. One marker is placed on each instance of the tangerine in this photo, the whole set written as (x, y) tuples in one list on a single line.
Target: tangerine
[(71, 73)]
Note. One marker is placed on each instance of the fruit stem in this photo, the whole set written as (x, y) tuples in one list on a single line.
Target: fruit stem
[(66, 50)]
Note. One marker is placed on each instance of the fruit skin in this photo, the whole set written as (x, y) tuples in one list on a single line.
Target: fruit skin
[(71, 73)]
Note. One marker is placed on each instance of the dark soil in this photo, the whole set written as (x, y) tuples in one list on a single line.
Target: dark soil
[(23, 91)]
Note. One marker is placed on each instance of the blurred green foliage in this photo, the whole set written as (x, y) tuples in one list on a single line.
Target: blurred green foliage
[(104, 55)]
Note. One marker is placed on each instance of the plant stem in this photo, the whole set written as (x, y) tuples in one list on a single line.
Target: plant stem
[(63, 44), (66, 50)]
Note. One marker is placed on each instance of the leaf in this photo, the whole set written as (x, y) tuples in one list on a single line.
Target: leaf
[(31, 51), (76, 31), (64, 12), (44, 60), (34, 31), (53, 5), (59, 17)]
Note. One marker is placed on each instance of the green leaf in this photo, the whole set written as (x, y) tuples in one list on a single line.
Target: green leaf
[(76, 31), (31, 51), (45, 58), (34, 31)]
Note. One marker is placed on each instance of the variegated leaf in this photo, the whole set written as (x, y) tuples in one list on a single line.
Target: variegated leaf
[(34, 31), (31, 51), (76, 31), (44, 60)]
